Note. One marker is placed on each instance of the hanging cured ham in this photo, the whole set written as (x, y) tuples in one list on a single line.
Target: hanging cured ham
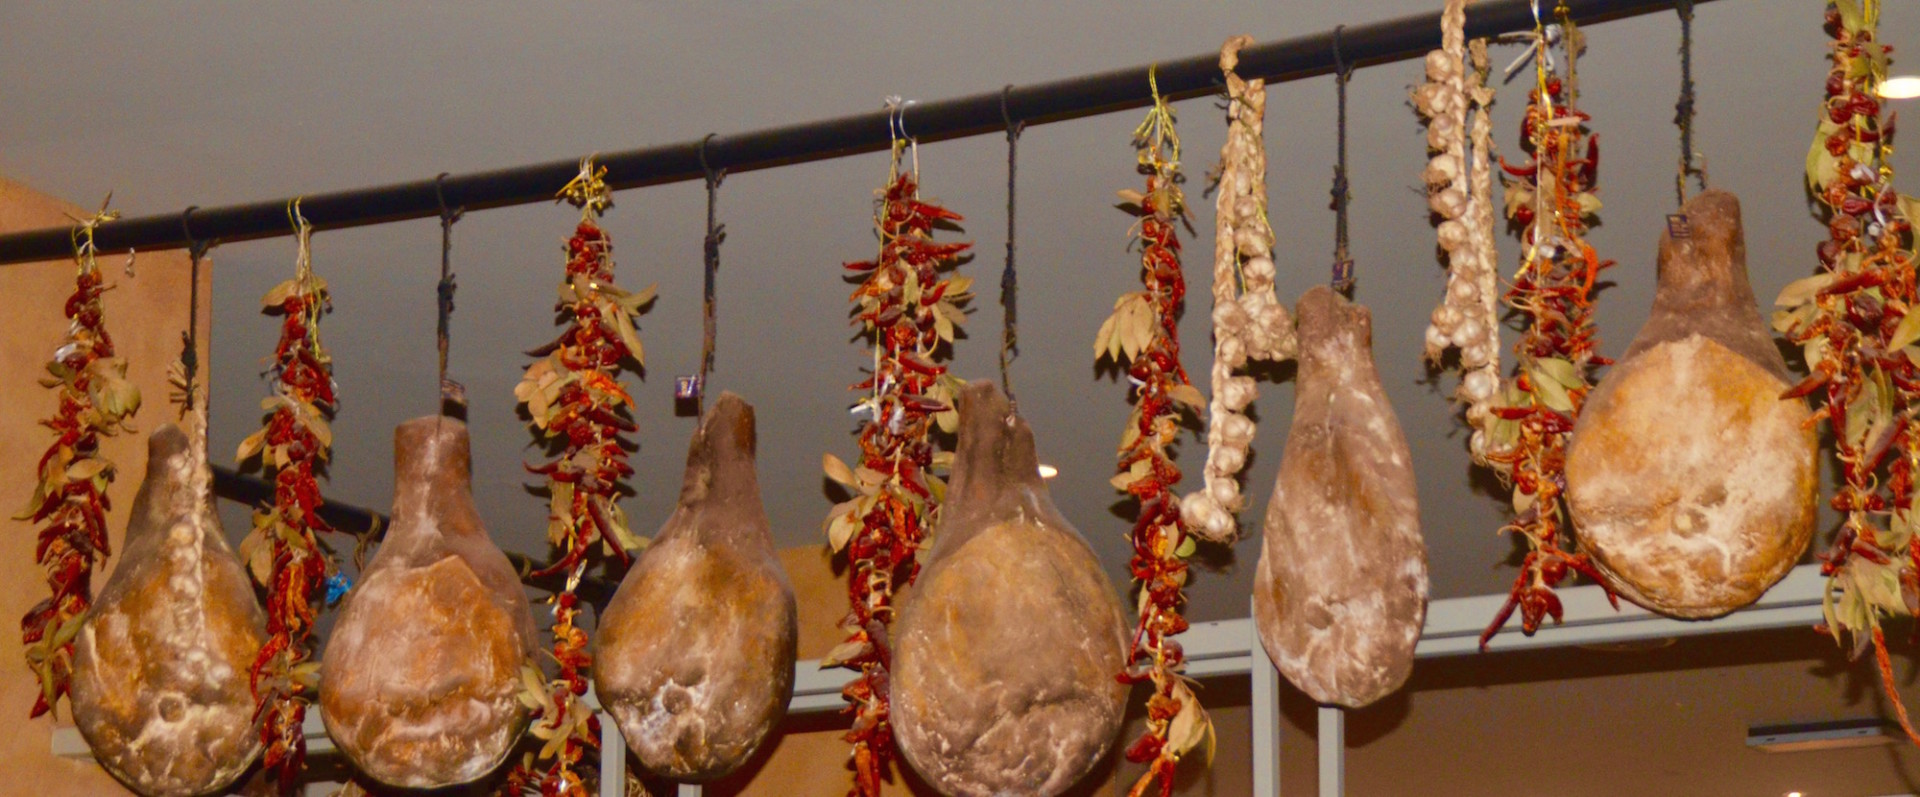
[(1008, 643), (1692, 483), (694, 656), (421, 677), (1340, 593), (160, 668)]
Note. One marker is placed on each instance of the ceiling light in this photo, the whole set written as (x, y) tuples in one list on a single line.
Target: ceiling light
[(1808, 736), (1048, 471), (1793, 794), (1905, 87)]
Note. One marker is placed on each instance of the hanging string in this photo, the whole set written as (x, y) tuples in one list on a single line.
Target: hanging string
[(1683, 110), (190, 339), (1009, 279), (1342, 280), (453, 395), (716, 233)]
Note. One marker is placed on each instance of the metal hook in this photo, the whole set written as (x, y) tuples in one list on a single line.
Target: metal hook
[(196, 248), (1341, 69), (447, 217), (713, 177), (1013, 127)]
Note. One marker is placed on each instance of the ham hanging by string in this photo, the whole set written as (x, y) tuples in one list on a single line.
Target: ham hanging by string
[(159, 685), (1692, 483), (1006, 647), (695, 653), (421, 679), (1340, 593)]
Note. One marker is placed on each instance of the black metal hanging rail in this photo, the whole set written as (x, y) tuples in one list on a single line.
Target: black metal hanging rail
[(1293, 59), (233, 486)]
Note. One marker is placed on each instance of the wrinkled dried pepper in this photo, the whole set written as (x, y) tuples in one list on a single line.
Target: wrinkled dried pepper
[(574, 400), (909, 304), (70, 492), (1143, 333), (1855, 320)]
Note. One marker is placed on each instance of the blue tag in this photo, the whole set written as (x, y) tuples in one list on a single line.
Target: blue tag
[(337, 586)]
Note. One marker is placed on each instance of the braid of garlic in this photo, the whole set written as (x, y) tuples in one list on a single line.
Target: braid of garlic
[(1459, 180), (1249, 322)]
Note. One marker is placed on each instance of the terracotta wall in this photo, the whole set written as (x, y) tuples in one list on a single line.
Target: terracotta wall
[(145, 315)]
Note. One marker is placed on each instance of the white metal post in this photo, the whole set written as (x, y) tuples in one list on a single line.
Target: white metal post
[(688, 790), (1265, 718), (1333, 751), (613, 758)]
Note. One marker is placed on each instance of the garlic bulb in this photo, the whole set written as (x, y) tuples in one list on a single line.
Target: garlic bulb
[(1249, 322), (1460, 182)]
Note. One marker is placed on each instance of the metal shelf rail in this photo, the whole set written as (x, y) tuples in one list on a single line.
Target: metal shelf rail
[(1228, 648)]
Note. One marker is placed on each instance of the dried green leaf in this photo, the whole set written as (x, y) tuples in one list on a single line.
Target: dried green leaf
[(1802, 291), (836, 469)]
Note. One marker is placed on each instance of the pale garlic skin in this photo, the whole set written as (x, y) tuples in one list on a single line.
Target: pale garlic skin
[(1249, 322), (1460, 181)]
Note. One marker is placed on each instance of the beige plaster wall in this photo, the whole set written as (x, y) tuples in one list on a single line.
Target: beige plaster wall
[(145, 315)]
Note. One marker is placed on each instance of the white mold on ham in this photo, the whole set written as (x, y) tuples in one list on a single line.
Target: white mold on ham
[(1340, 593), (1692, 483), (694, 656), (420, 679), (1007, 645), (160, 667)]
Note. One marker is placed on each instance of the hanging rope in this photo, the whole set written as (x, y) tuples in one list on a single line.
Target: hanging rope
[(452, 394), (1683, 110), (190, 339), (1009, 278), (1342, 280), (716, 233)]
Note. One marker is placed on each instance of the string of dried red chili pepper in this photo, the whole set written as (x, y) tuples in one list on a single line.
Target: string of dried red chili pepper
[(70, 493), (909, 305), (1855, 319), (1144, 332), (574, 398), (1552, 196), (292, 444)]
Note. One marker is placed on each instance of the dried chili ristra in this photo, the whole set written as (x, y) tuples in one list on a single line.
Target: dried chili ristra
[(283, 545), (1144, 333), (1553, 198), (574, 398), (909, 304), (70, 494), (1857, 323)]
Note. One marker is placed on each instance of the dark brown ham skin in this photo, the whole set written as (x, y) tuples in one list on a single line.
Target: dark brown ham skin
[(1008, 644), (1340, 593), (166, 649), (694, 657), (421, 675), (1692, 483)]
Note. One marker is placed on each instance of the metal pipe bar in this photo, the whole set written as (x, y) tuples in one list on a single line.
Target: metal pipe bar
[(355, 520), (1301, 57)]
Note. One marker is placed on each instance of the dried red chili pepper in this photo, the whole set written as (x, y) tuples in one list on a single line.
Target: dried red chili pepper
[(1552, 195), (70, 494), (1144, 333), (573, 396), (282, 549), (1855, 319), (909, 305)]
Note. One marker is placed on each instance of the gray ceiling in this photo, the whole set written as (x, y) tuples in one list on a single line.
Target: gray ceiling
[(170, 104)]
